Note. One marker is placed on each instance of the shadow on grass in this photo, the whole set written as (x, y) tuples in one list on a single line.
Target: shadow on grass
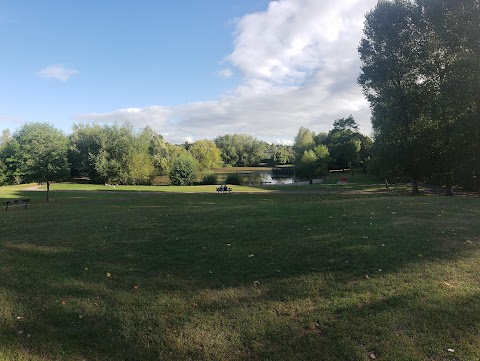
[(246, 277)]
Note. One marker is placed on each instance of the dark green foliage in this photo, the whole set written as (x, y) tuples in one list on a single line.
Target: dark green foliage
[(345, 124), (281, 155), (41, 152), (210, 178), (234, 178), (392, 52), (314, 163), (3, 174), (114, 154), (342, 147), (421, 74), (183, 171), (37, 152)]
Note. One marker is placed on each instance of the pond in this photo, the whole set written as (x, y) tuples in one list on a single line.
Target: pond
[(265, 177)]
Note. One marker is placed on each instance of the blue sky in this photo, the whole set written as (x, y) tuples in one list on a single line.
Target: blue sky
[(190, 69)]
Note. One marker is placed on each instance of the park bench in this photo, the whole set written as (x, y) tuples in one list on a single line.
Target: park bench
[(16, 202), (224, 190)]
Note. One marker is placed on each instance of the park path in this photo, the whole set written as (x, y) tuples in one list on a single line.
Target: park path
[(32, 188)]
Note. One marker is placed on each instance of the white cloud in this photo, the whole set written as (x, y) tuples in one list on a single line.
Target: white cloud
[(155, 116), (300, 65), (225, 73), (57, 71)]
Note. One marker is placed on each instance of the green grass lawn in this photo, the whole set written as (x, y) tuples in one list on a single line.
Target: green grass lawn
[(265, 276)]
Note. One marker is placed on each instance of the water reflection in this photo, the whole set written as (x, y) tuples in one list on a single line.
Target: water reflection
[(266, 178)]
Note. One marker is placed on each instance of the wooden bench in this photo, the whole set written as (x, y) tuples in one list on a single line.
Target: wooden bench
[(16, 202), (224, 190)]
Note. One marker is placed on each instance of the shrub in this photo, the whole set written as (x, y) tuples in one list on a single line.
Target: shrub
[(210, 178), (183, 171), (234, 178)]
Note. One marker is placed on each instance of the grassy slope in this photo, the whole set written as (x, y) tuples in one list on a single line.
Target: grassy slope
[(125, 276)]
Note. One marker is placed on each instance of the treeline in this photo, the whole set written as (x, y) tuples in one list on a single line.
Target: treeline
[(119, 154), (421, 74), (342, 147)]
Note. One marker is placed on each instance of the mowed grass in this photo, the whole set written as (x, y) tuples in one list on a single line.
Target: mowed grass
[(268, 276)]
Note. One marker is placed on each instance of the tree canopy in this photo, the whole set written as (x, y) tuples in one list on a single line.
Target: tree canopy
[(37, 152), (420, 72)]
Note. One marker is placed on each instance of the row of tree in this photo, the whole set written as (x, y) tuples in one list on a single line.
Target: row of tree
[(122, 155), (342, 147), (421, 74)]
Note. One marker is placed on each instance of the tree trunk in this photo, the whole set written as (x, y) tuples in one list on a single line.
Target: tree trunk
[(48, 191), (415, 186), (448, 187)]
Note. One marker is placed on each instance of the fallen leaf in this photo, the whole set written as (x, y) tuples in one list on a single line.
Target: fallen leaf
[(136, 287), (109, 274)]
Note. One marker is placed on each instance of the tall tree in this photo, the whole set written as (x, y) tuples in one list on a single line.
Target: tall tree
[(344, 142), (304, 140), (281, 154), (346, 124), (314, 162), (85, 145), (41, 153), (392, 51), (240, 150), (6, 136), (206, 153), (452, 79)]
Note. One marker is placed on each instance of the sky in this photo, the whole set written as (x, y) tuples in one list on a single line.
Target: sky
[(191, 69)]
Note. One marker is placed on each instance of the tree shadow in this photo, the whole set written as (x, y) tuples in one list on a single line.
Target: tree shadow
[(120, 279)]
